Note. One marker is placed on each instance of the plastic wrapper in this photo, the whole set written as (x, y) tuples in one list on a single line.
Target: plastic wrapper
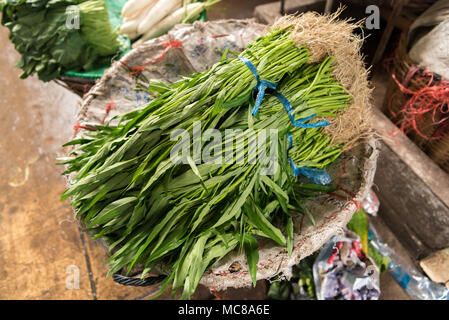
[(412, 280), (342, 272), (371, 203)]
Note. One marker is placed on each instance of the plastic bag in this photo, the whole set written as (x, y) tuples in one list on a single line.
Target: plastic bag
[(342, 271), (371, 203), (414, 282)]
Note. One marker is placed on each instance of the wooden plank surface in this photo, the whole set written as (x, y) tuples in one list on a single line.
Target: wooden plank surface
[(413, 191), (39, 240), (428, 171)]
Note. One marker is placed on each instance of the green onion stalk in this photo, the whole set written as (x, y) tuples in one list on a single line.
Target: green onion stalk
[(183, 217)]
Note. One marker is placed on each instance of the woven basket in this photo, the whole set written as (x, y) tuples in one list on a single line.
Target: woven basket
[(201, 45), (439, 152), (406, 73)]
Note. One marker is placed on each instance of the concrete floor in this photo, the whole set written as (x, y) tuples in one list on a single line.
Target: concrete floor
[(42, 251)]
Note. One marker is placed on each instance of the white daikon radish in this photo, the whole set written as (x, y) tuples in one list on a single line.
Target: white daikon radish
[(191, 11), (141, 13), (133, 7), (133, 35), (158, 12), (129, 27), (185, 14), (128, 7)]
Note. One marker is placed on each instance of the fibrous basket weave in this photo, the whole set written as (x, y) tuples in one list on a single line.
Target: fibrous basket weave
[(190, 48), (409, 75)]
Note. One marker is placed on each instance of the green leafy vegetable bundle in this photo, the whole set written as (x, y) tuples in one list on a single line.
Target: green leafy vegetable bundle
[(186, 215), (47, 35)]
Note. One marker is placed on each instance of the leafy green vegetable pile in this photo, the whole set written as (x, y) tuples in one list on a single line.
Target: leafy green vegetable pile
[(186, 216), (39, 31)]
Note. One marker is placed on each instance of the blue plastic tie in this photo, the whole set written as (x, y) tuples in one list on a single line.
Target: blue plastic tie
[(260, 86), (299, 123), (290, 140), (318, 176)]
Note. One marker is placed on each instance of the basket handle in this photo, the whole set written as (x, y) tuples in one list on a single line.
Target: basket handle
[(137, 282)]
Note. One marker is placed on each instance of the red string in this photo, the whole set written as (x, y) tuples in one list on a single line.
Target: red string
[(215, 293), (262, 244), (349, 195), (220, 35), (335, 252), (352, 194), (135, 71), (110, 106), (432, 99), (77, 127), (442, 130)]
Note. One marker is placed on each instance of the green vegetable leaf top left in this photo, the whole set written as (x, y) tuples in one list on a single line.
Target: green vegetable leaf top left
[(50, 39)]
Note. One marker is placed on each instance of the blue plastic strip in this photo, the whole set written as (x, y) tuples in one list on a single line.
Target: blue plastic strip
[(260, 86), (290, 140), (251, 67), (399, 275), (299, 123), (316, 175)]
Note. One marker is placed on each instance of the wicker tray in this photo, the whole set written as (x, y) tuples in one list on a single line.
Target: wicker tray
[(199, 46)]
